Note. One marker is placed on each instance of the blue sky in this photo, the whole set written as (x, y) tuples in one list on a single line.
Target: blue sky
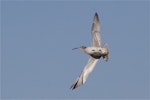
[(37, 38)]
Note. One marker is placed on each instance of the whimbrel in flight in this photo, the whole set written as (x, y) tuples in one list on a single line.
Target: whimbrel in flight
[(95, 51)]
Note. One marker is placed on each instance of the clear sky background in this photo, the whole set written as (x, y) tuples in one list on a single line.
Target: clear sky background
[(37, 38)]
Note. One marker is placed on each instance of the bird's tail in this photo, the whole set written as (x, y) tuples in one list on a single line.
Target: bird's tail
[(106, 57)]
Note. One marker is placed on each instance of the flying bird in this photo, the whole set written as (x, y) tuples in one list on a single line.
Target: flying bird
[(95, 51)]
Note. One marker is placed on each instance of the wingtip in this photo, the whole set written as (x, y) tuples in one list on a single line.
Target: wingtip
[(73, 86), (96, 17), (96, 14)]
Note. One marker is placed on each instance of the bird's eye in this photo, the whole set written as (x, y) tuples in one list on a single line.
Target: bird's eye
[(93, 50), (99, 50)]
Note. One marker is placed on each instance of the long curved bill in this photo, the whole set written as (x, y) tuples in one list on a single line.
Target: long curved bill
[(75, 48)]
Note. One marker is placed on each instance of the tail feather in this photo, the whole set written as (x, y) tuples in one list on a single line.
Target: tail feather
[(106, 57)]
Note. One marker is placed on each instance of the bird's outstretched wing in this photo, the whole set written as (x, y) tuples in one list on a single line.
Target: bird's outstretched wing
[(85, 73), (96, 39)]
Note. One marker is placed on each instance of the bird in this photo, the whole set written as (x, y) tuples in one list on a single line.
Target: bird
[(95, 52)]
